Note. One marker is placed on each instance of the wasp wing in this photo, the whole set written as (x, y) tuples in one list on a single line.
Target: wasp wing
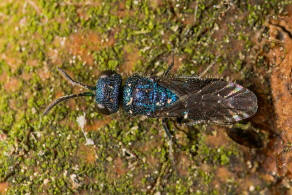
[(208, 100)]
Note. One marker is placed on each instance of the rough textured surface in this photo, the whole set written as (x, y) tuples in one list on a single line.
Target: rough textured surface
[(235, 40), (281, 87), (144, 96)]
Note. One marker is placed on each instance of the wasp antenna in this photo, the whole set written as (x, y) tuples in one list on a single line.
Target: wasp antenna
[(70, 80), (64, 98)]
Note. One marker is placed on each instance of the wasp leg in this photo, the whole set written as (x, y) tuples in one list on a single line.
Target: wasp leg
[(170, 141), (151, 63), (169, 135), (169, 67), (165, 127)]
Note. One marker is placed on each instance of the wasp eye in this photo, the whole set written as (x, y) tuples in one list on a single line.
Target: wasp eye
[(108, 89)]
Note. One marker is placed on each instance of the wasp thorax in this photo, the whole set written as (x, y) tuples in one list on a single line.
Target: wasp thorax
[(108, 89)]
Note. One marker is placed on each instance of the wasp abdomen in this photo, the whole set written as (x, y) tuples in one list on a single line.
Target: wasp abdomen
[(144, 96)]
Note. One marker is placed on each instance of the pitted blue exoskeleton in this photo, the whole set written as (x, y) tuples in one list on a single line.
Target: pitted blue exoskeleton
[(191, 99), (144, 96)]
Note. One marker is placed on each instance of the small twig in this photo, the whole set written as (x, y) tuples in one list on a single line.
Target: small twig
[(88, 3), (195, 14), (207, 69), (163, 170), (37, 9), (171, 151)]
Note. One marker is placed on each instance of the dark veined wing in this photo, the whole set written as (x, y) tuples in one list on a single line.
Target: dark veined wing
[(208, 100)]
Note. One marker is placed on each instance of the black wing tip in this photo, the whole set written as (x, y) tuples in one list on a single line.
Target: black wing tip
[(250, 107), (253, 103)]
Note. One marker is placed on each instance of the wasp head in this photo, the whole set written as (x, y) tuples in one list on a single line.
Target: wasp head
[(108, 90)]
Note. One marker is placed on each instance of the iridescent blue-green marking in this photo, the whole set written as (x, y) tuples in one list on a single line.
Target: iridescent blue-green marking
[(143, 96)]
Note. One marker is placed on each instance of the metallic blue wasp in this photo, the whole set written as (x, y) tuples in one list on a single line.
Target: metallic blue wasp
[(191, 99)]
